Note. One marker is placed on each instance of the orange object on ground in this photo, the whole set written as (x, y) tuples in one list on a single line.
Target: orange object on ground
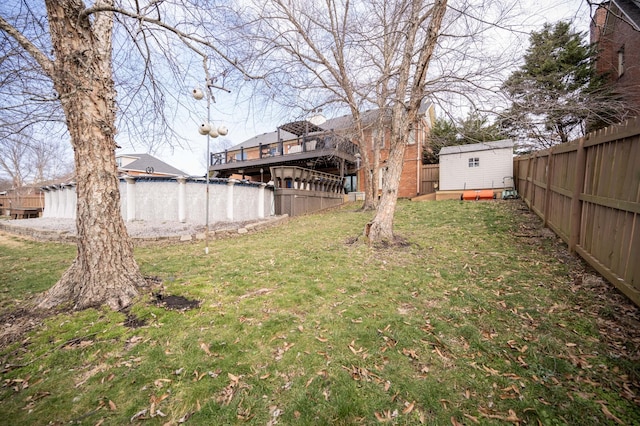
[(484, 194)]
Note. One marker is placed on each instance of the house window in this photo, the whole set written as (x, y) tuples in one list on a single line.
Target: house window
[(412, 136), (621, 61), (474, 162), (351, 183), (241, 156)]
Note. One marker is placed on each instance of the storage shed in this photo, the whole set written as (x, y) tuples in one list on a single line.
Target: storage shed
[(476, 166)]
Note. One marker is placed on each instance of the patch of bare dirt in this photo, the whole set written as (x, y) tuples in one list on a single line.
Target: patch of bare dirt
[(175, 303), (14, 324), (133, 321)]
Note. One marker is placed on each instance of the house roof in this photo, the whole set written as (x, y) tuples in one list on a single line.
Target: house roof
[(144, 161), (295, 129), (484, 146)]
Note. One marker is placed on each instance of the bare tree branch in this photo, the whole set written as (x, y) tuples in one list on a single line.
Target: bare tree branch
[(43, 60)]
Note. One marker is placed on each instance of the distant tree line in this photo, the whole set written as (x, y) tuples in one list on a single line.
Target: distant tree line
[(475, 128)]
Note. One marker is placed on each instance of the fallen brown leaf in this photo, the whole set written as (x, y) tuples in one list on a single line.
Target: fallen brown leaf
[(205, 348), (383, 417), (455, 422), (140, 414), (472, 418), (411, 353), (408, 407), (355, 352), (510, 417), (608, 414)]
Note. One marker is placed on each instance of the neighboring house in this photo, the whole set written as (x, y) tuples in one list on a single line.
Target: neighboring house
[(615, 29), (324, 146), (145, 165), (487, 165)]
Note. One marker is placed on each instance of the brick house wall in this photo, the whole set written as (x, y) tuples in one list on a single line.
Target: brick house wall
[(410, 178), (615, 29)]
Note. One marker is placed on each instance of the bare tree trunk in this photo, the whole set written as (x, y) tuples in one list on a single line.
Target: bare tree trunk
[(381, 227), (404, 115), (367, 178), (104, 271)]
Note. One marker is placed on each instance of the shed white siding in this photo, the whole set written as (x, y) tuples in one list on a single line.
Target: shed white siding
[(476, 166)]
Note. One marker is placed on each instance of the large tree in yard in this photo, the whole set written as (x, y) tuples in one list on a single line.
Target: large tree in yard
[(409, 93), (72, 44), (556, 94), (357, 55)]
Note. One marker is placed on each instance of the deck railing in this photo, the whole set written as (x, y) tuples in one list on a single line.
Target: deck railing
[(284, 148)]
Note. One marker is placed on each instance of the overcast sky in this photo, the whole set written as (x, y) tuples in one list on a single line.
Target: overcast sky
[(244, 124)]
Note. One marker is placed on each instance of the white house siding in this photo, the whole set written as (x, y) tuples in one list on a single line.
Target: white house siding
[(495, 163)]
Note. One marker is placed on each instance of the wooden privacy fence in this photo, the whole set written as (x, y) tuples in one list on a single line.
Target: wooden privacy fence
[(588, 192), (430, 177), (26, 201)]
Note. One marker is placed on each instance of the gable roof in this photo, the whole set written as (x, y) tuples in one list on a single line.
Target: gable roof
[(295, 129), (475, 147), (141, 162)]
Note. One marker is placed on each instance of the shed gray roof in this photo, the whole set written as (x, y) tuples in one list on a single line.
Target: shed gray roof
[(483, 146), (143, 161)]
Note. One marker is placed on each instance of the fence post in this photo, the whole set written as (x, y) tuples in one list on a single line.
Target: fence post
[(131, 198), (182, 199), (547, 190), (528, 182), (576, 204)]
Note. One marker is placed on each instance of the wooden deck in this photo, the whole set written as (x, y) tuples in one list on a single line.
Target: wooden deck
[(24, 212)]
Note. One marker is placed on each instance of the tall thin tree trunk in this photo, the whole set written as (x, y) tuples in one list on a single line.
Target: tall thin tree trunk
[(403, 117), (104, 271), (367, 181), (381, 227)]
